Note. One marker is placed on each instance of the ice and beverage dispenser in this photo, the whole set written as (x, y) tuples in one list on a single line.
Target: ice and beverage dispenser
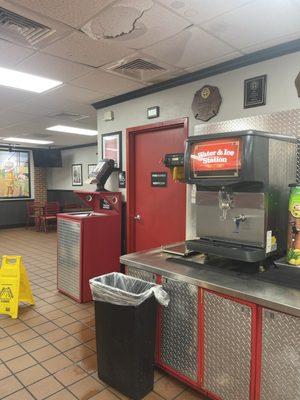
[(242, 192)]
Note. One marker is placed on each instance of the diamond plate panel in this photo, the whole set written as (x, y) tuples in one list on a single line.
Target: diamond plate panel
[(179, 328), (227, 348), (283, 122), (68, 257), (280, 378), (140, 274)]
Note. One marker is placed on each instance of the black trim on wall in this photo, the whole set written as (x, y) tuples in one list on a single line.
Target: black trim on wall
[(78, 146), (243, 61)]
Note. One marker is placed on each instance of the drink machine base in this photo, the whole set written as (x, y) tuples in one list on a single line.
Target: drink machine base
[(89, 243)]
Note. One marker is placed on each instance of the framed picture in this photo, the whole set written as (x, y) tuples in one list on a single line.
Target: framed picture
[(77, 175), (112, 148), (255, 91), (91, 167), (14, 174)]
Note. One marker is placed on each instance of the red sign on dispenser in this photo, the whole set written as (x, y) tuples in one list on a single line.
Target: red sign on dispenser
[(215, 158)]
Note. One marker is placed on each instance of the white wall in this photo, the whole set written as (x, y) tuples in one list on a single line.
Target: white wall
[(61, 178), (176, 102)]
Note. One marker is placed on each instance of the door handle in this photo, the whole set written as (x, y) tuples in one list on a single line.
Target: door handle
[(137, 217)]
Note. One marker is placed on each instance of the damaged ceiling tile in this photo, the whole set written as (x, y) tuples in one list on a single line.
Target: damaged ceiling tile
[(118, 20), (136, 27)]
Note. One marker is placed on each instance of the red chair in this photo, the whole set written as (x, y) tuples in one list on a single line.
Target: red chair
[(49, 215), (32, 212)]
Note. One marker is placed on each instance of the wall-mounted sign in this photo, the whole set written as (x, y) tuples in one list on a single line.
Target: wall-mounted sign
[(152, 112), (297, 83), (112, 147), (206, 103), (255, 91), (122, 180), (77, 175), (159, 179), (212, 158)]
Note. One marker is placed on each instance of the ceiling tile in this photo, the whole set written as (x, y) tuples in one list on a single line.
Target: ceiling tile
[(246, 26), (269, 43), (53, 67), (154, 24), (11, 54), (189, 47), (214, 61), (70, 12), (78, 47), (75, 93), (106, 82), (10, 118), (13, 33), (10, 97), (198, 11)]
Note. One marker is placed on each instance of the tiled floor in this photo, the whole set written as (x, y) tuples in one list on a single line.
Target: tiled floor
[(49, 351)]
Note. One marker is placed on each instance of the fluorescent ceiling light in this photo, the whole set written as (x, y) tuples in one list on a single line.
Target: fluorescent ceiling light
[(21, 80), (22, 140), (72, 129)]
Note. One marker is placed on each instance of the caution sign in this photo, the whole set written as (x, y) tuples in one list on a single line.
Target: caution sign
[(14, 285)]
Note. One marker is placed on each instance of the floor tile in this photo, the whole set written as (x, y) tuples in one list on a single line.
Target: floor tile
[(45, 328), (32, 322), (85, 335), (66, 343), (32, 374), (191, 394), (45, 353), (74, 327), (20, 363), (105, 395), (79, 353), (11, 352), (9, 385), (11, 330), (57, 363), (44, 388), (34, 344), (62, 395), (70, 375), (55, 335), (4, 371), (89, 364), (65, 320), (20, 395), (168, 387), (25, 335), (86, 388), (6, 342), (52, 315)]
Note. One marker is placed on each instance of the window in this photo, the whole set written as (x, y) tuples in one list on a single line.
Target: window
[(14, 174)]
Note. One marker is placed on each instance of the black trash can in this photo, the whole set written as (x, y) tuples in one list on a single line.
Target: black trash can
[(125, 313)]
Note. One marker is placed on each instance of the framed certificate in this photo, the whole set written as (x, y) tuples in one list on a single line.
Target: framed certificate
[(255, 91)]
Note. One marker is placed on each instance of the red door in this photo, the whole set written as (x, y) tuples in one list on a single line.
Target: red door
[(156, 215)]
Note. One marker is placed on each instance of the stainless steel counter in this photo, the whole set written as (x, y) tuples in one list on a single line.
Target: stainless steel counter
[(275, 296)]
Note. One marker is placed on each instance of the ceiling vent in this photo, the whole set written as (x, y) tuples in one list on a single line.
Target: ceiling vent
[(140, 69), (21, 29), (139, 65), (69, 116)]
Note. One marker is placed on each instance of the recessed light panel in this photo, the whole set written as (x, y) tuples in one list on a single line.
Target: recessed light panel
[(24, 81), (72, 129), (23, 140)]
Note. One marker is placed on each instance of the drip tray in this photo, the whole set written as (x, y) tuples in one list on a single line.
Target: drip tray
[(278, 276)]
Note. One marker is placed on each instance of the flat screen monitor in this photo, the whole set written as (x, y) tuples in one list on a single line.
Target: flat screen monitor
[(47, 158)]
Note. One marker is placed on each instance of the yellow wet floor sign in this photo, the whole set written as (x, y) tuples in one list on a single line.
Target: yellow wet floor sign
[(14, 285)]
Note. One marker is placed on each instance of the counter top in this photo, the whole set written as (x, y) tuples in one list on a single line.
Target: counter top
[(253, 288)]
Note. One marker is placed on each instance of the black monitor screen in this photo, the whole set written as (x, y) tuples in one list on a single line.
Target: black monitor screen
[(47, 158)]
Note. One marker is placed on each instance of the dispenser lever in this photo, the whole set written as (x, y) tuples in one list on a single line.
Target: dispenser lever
[(240, 218)]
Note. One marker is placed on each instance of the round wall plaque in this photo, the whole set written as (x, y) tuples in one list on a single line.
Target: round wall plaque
[(206, 103)]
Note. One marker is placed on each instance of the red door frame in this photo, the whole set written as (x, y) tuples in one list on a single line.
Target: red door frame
[(130, 166)]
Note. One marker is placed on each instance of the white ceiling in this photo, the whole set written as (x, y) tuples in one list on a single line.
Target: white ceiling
[(91, 37)]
